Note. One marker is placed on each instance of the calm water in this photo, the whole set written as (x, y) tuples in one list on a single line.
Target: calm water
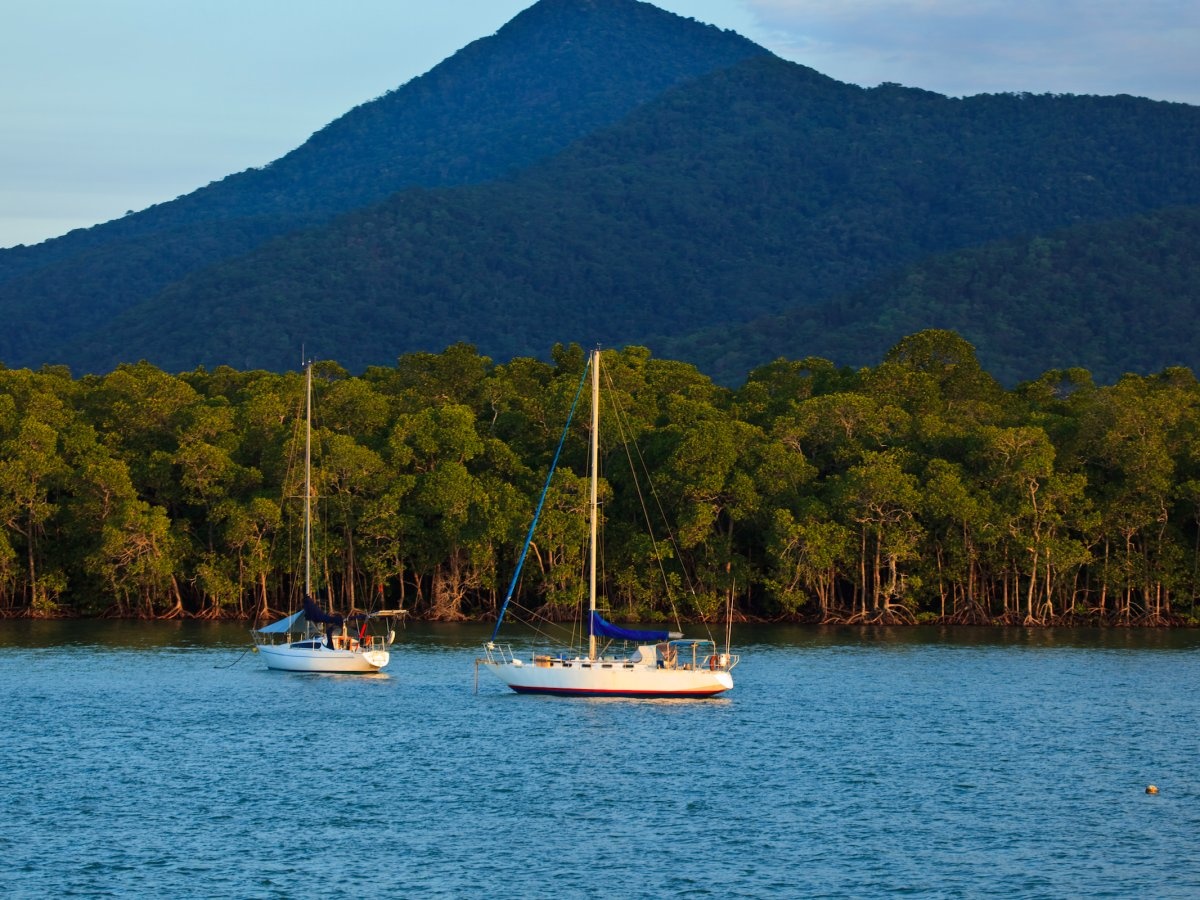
[(156, 760)]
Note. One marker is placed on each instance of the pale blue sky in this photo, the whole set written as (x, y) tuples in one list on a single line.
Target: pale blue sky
[(110, 105)]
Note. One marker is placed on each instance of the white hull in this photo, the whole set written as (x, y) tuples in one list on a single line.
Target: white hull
[(608, 678), (305, 659)]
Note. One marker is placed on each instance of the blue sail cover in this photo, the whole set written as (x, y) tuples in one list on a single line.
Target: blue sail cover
[(603, 628), (317, 616)]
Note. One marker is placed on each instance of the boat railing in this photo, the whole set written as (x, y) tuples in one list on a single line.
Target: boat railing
[(722, 662), (375, 641), (694, 654), (715, 662), (692, 657), (281, 639), (498, 653)]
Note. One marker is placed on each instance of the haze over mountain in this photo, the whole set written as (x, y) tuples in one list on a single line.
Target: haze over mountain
[(603, 171)]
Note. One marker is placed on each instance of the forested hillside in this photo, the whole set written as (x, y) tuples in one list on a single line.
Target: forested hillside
[(559, 70), (610, 173), (915, 490), (1120, 295), (761, 188)]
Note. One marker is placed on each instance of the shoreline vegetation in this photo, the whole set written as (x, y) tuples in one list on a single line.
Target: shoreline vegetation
[(918, 491)]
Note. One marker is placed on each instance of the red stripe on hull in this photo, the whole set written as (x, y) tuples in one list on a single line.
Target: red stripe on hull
[(585, 692)]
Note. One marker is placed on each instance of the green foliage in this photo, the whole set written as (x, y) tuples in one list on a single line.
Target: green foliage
[(1114, 297), (611, 173), (917, 490), (557, 72), (756, 190)]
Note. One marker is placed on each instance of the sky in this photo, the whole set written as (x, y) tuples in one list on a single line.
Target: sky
[(112, 106)]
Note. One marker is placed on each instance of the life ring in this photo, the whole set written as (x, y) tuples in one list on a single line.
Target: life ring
[(712, 662)]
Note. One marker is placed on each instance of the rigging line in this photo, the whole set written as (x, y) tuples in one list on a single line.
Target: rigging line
[(568, 637), (728, 621), (691, 587), (683, 569), (542, 632), (537, 513), (579, 629), (572, 630), (625, 432), (534, 614), (279, 534)]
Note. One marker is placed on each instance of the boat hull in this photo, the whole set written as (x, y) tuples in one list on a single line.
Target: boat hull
[(598, 679), (304, 659)]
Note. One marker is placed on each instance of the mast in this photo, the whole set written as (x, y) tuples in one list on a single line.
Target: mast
[(308, 481), (595, 462)]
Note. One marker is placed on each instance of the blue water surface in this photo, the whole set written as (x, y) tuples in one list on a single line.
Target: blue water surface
[(158, 760)]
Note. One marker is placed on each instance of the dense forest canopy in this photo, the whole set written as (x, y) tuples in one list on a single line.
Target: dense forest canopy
[(611, 172), (918, 489), (761, 188), (558, 71), (1120, 295)]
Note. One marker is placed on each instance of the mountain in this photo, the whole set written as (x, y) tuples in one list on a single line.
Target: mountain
[(692, 184), (750, 191), (1121, 296), (559, 70)]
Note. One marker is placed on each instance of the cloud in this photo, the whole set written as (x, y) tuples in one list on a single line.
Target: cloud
[(964, 47)]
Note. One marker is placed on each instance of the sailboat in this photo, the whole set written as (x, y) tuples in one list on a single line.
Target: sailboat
[(296, 643), (661, 663)]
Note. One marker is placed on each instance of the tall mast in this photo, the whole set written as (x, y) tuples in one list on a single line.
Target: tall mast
[(308, 481), (595, 508)]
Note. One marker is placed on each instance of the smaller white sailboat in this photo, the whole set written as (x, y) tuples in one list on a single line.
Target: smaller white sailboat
[(291, 645), (312, 640), (662, 665)]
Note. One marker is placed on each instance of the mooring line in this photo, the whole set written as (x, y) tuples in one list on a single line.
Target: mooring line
[(238, 660)]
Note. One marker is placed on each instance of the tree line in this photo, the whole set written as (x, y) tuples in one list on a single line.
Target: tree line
[(917, 490)]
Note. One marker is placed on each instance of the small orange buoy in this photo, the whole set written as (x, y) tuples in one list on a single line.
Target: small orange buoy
[(1151, 789)]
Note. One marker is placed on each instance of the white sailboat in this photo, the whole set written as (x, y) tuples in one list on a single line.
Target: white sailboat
[(294, 643), (662, 664)]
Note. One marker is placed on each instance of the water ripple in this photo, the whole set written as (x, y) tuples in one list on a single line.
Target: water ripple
[(844, 764)]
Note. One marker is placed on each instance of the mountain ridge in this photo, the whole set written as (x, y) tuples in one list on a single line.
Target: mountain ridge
[(754, 189), (612, 70), (651, 180), (1106, 281)]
